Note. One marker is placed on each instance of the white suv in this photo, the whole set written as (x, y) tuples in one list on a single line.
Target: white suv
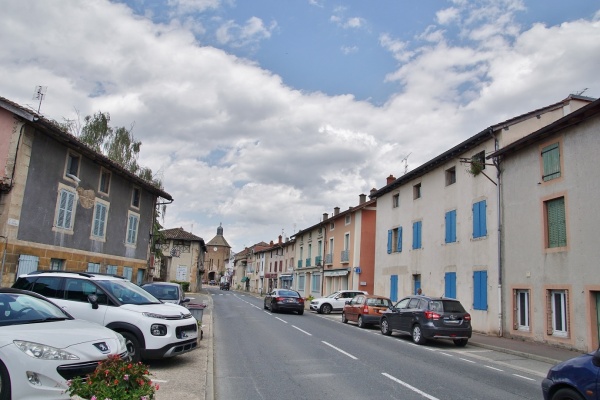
[(152, 329), (335, 301)]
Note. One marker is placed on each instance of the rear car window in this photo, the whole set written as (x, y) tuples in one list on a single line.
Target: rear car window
[(288, 293), (447, 306), (379, 302)]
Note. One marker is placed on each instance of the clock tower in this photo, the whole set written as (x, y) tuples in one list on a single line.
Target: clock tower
[(217, 256)]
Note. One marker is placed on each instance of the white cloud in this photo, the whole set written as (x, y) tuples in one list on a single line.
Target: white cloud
[(238, 146)]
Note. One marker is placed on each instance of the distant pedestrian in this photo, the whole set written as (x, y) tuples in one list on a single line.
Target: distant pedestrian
[(420, 292)]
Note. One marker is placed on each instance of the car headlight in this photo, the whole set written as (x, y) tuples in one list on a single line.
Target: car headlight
[(43, 352), (122, 342), (152, 315)]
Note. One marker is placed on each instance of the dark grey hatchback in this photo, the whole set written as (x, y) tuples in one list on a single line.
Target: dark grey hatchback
[(425, 317)]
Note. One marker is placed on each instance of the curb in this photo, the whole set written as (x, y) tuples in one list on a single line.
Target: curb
[(516, 353)]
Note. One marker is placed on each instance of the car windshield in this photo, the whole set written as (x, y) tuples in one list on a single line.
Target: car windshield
[(379, 302), (288, 293), (128, 292), (449, 306), (17, 308), (163, 292)]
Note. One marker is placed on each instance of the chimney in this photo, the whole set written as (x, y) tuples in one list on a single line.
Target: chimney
[(280, 237), (336, 211), (362, 198), (373, 191), (271, 244), (390, 179), (325, 216)]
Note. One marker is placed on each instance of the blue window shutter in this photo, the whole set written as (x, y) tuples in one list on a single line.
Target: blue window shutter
[(479, 219), (420, 234), (480, 290), (450, 285), (399, 244), (451, 226), (417, 235), (389, 242), (394, 288)]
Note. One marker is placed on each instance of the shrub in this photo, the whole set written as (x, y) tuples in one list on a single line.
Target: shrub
[(185, 286), (115, 379)]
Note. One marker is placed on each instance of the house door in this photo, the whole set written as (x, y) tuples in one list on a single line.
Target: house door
[(27, 264)]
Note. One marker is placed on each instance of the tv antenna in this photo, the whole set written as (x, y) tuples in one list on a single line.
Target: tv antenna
[(38, 94), (405, 161), (581, 92)]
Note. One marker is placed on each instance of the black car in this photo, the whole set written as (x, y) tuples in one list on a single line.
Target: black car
[(224, 285), (425, 317), (574, 379), (284, 300)]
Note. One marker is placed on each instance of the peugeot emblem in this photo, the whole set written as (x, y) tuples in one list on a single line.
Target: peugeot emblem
[(103, 347)]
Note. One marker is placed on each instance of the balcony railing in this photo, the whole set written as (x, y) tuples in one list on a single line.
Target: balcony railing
[(345, 256), (318, 260), (329, 258), (299, 263), (308, 262)]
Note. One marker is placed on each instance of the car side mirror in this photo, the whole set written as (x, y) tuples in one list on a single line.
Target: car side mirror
[(186, 300), (347, 301), (93, 299)]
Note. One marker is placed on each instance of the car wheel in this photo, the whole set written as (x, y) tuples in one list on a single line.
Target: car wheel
[(566, 394), (5, 389), (133, 347), (385, 327), (326, 308), (460, 342), (417, 334), (344, 319), (361, 323), (300, 312)]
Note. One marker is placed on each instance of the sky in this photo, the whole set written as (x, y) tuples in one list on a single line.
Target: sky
[(261, 115)]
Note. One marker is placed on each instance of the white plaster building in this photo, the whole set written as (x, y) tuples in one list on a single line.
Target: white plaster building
[(437, 225)]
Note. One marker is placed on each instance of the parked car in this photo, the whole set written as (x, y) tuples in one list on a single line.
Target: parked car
[(152, 329), (365, 309), (42, 346), (334, 302), (284, 300), (224, 285), (574, 379), (212, 282), (426, 318), (167, 292)]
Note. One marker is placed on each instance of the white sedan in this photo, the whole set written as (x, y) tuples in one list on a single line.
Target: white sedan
[(41, 347)]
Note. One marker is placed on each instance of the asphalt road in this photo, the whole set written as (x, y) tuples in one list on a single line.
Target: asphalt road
[(261, 355)]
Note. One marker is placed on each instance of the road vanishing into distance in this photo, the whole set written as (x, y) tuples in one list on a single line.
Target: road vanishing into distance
[(264, 355)]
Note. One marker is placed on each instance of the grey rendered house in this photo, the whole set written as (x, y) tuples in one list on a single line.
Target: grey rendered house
[(550, 221), (64, 206)]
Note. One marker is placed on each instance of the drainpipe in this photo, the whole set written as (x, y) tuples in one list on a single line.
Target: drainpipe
[(3, 258), (499, 239)]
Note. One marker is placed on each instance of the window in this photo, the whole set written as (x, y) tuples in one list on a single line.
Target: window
[(132, 228), (57, 264), (478, 161), (301, 282), (416, 283), (395, 240), (65, 209), (348, 219), (480, 290), (556, 223), (450, 284), (48, 286), (93, 267), (100, 216), (417, 226), (451, 226), (72, 167), (551, 162), (521, 316), (450, 176), (558, 313), (135, 197), (331, 226), (111, 269), (417, 191), (128, 272), (479, 219), (104, 181), (396, 200), (316, 283)]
